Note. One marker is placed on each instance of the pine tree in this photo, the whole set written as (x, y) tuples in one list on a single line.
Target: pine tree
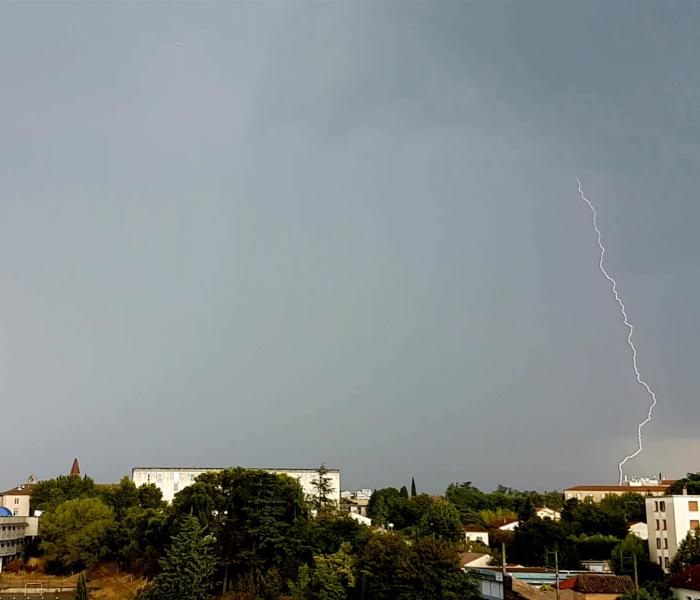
[(81, 591), (188, 566), (413, 487), (688, 554), (323, 487)]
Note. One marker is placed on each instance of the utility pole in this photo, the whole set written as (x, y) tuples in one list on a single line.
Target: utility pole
[(634, 567), (503, 560), (555, 552)]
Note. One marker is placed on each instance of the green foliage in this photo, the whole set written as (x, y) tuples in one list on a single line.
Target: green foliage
[(81, 590), (390, 506), (691, 482), (75, 533), (437, 572), (323, 488), (630, 507), (391, 569), (596, 547), (688, 554), (48, 494), (470, 501), (332, 577), (494, 518), (387, 568), (139, 538), (329, 531), (533, 539), (660, 592), (441, 521), (187, 568), (259, 521), (626, 552), (591, 518)]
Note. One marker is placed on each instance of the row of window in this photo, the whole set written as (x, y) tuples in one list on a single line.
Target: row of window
[(660, 506), (658, 543), (664, 562), (10, 527)]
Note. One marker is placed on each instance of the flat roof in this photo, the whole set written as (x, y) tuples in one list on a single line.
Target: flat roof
[(224, 468), (618, 488)]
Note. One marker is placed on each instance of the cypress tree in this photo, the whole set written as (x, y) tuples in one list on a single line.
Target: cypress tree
[(413, 487), (81, 591)]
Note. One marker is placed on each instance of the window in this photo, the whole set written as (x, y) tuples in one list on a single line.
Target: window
[(693, 505), (656, 506), (666, 543), (664, 524), (16, 500), (661, 562), (658, 543), (657, 525), (666, 561), (662, 506), (15, 512), (694, 524)]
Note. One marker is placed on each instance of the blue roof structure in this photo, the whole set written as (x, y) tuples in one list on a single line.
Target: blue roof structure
[(5, 512)]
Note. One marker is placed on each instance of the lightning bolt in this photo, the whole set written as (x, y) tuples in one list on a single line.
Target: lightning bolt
[(630, 343)]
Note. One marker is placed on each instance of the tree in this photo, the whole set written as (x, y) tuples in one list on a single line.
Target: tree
[(387, 568), (323, 487), (534, 539), (441, 521), (438, 574), (591, 518), (48, 494), (688, 554), (468, 500), (413, 488), (526, 510), (404, 492), (331, 578), (81, 591), (187, 568), (75, 533), (258, 519), (691, 483), (630, 550)]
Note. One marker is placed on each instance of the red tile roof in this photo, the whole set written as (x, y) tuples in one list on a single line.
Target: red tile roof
[(20, 490), (599, 584), (618, 488)]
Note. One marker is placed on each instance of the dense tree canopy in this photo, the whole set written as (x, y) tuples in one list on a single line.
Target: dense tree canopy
[(75, 533)]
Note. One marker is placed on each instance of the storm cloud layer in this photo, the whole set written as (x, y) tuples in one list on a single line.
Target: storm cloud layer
[(280, 234)]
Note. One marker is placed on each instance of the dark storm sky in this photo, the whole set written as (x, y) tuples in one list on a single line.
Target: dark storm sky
[(287, 233)]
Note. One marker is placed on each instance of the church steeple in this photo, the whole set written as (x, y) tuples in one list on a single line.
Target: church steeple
[(75, 469)]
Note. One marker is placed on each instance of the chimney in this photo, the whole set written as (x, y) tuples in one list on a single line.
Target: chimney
[(685, 491)]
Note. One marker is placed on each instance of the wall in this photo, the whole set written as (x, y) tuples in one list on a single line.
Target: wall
[(18, 504), (171, 480), (678, 516)]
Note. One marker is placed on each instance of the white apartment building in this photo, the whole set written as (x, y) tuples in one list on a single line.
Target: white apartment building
[(17, 500), (669, 519), (13, 531), (170, 480)]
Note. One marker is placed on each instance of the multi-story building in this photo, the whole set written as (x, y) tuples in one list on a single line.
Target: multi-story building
[(13, 531), (669, 519), (597, 492), (170, 480), (17, 500)]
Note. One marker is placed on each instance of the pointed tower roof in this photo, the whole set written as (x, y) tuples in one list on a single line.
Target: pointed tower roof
[(75, 469)]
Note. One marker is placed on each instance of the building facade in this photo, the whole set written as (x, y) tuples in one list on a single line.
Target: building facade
[(171, 480), (597, 492), (669, 519), (18, 499), (13, 532)]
